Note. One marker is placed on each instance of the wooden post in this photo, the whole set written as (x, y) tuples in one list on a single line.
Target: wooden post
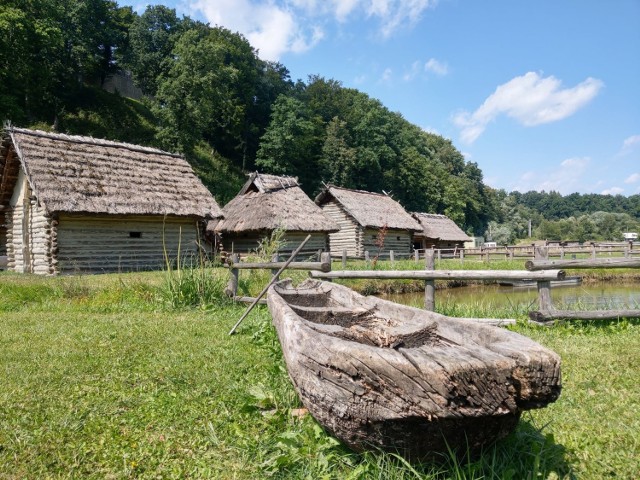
[(439, 254), (344, 258), (429, 285), (544, 296), (273, 280), (462, 255), (541, 253), (366, 256), (325, 259), (510, 253), (232, 286), (593, 250), (561, 252), (416, 255), (392, 257), (275, 258)]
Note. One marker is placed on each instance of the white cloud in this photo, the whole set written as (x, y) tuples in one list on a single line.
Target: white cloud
[(436, 67), (612, 191), (563, 178), (531, 100), (359, 80), (629, 143), (633, 178), (412, 72), (396, 14), (276, 27), (386, 75), (429, 129)]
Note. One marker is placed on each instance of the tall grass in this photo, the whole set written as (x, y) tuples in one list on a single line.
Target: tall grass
[(190, 281)]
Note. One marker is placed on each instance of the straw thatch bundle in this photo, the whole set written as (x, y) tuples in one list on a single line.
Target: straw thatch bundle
[(370, 210), (268, 202), (77, 174), (440, 227)]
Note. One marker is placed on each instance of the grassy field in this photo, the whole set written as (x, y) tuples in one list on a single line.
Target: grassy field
[(133, 376)]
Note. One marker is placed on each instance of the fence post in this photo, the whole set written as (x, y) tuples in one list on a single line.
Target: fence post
[(392, 257), (325, 258), (439, 254), (232, 286), (416, 255), (429, 285), (344, 258), (544, 296), (275, 258), (462, 255), (593, 250), (366, 257)]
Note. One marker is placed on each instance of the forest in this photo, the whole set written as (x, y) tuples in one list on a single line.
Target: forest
[(209, 96)]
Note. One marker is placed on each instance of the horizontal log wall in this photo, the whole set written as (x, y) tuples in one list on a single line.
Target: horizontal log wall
[(248, 243), (348, 238), (400, 241), (106, 243)]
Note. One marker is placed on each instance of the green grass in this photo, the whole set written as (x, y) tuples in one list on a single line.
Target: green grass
[(102, 377)]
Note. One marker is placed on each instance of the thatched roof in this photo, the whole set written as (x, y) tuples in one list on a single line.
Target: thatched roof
[(267, 202), (263, 183), (370, 209), (78, 174), (440, 227)]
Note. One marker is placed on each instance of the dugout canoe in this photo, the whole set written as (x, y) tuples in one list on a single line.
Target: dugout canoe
[(378, 374)]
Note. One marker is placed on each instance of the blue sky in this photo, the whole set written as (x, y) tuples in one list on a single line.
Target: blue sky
[(543, 95)]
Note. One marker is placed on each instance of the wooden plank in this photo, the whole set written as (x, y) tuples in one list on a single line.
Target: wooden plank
[(320, 266), (443, 274), (536, 265), (544, 316)]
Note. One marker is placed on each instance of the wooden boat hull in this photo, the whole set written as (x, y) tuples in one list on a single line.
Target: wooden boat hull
[(378, 374)]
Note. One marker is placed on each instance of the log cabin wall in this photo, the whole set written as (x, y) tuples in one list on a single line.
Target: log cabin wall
[(28, 236), (400, 241), (110, 243), (349, 237), (249, 242)]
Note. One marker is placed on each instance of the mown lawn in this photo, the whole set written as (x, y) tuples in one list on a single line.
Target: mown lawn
[(107, 377)]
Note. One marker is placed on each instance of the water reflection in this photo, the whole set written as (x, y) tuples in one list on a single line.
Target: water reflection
[(596, 296)]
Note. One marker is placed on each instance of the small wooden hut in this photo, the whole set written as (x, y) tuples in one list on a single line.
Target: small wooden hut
[(438, 231), (79, 204), (365, 217), (269, 202)]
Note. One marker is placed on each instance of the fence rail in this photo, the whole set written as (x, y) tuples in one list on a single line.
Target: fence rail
[(541, 269)]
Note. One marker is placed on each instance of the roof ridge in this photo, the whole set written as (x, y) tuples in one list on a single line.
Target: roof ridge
[(82, 139)]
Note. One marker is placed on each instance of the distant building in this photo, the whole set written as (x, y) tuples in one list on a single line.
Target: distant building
[(438, 231), (630, 236), (362, 217), (266, 203)]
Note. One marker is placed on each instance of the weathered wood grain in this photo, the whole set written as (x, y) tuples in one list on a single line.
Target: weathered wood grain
[(379, 374)]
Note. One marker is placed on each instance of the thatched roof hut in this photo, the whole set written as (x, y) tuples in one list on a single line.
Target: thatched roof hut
[(438, 231), (71, 201), (362, 216), (269, 202)]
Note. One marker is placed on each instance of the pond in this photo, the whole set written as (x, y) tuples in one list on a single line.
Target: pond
[(592, 296)]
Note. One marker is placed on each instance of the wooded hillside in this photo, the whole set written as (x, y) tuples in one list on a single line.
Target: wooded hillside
[(208, 95)]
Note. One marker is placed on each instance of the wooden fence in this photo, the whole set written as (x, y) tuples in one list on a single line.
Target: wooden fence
[(541, 270), (592, 250), (548, 314)]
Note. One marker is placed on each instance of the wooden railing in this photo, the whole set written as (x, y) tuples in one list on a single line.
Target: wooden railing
[(541, 270), (548, 314)]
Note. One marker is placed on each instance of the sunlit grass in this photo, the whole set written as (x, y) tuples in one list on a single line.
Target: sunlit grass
[(103, 378)]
